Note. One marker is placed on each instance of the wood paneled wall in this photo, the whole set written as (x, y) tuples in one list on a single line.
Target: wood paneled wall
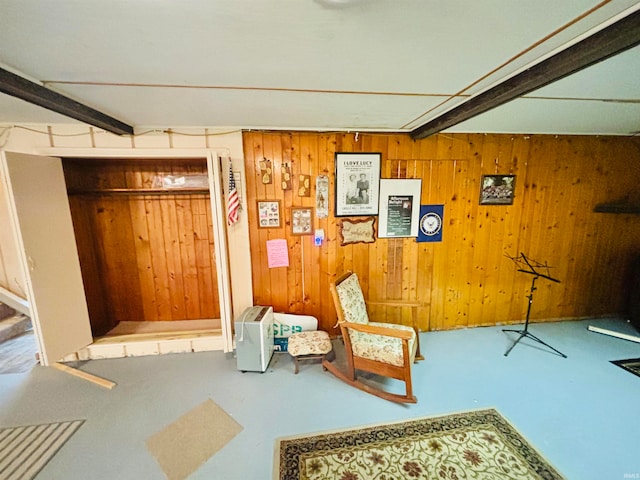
[(143, 257), (467, 279)]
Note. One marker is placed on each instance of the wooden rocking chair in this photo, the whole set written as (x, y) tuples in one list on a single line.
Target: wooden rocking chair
[(384, 349)]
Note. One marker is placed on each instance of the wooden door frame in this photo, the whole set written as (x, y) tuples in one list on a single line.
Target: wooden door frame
[(210, 155)]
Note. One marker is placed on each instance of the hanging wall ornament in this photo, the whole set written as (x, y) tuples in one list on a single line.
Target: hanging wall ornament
[(304, 186), (286, 182), (266, 173), (322, 196)]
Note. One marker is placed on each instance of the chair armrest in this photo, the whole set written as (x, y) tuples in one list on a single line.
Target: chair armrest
[(377, 330), (396, 303)]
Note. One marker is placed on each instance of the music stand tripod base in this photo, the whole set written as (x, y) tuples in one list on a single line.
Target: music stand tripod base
[(525, 333), (531, 270)]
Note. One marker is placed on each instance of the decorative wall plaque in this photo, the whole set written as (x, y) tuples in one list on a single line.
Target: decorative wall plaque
[(266, 172), (357, 231), (322, 196), (286, 177), (304, 187)]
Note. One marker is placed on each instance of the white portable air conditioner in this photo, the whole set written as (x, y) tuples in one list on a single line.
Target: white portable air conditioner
[(254, 339)]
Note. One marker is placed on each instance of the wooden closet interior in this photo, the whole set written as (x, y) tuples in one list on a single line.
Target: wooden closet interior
[(144, 235)]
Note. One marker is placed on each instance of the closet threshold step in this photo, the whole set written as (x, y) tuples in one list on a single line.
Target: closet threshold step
[(145, 337), (142, 344)]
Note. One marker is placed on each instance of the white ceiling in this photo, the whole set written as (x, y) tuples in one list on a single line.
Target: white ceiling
[(384, 65)]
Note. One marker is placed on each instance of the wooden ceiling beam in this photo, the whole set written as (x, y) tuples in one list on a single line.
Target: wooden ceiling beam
[(20, 87), (616, 38)]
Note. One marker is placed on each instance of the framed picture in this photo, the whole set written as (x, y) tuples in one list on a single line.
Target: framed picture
[(362, 230), (357, 184), (302, 220), (497, 189), (269, 214), (399, 208)]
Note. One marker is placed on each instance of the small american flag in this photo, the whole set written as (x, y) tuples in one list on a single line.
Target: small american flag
[(233, 201)]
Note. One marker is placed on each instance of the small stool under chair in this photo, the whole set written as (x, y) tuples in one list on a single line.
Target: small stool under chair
[(306, 345)]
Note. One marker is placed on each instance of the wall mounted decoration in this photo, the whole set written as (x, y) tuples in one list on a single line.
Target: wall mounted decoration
[(497, 189), (431, 223), (286, 181), (269, 214), (266, 172), (322, 196), (302, 221), (357, 184), (304, 185), (357, 231), (399, 207)]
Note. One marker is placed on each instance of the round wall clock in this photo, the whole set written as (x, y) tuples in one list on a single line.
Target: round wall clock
[(430, 223)]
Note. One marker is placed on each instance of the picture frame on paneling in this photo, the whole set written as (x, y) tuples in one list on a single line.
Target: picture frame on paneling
[(497, 189), (269, 214), (362, 230), (301, 221), (399, 207), (357, 183)]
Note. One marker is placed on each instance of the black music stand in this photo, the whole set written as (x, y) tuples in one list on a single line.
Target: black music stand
[(530, 269)]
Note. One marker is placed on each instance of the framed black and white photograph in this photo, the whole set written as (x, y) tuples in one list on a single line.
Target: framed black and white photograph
[(357, 184), (399, 208), (269, 214), (301, 221), (497, 189)]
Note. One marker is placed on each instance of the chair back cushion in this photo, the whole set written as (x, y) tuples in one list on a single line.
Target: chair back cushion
[(352, 300)]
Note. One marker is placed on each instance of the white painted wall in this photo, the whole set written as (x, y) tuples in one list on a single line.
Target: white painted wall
[(81, 140)]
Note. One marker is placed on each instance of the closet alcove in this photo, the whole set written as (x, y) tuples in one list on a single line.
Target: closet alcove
[(144, 235)]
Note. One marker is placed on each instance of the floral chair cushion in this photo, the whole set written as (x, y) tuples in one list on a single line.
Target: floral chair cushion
[(381, 348), (352, 300)]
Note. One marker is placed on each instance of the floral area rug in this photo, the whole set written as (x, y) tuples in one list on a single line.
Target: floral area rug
[(479, 444)]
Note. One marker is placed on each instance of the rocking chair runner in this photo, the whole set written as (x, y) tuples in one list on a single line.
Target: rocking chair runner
[(384, 349)]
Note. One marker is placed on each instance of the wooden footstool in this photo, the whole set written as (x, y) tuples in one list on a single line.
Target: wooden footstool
[(306, 345)]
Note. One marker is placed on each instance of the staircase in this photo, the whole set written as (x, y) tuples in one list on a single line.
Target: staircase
[(12, 323)]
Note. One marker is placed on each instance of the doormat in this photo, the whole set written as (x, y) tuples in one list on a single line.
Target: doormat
[(477, 444), (632, 365), (183, 446), (24, 451)]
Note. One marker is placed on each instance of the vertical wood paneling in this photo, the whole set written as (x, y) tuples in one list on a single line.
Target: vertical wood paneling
[(467, 279), (92, 274), (143, 257)]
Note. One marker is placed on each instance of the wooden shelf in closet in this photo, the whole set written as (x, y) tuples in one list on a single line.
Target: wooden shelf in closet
[(142, 191)]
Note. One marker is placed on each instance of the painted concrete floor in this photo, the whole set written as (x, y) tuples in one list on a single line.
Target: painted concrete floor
[(581, 412)]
